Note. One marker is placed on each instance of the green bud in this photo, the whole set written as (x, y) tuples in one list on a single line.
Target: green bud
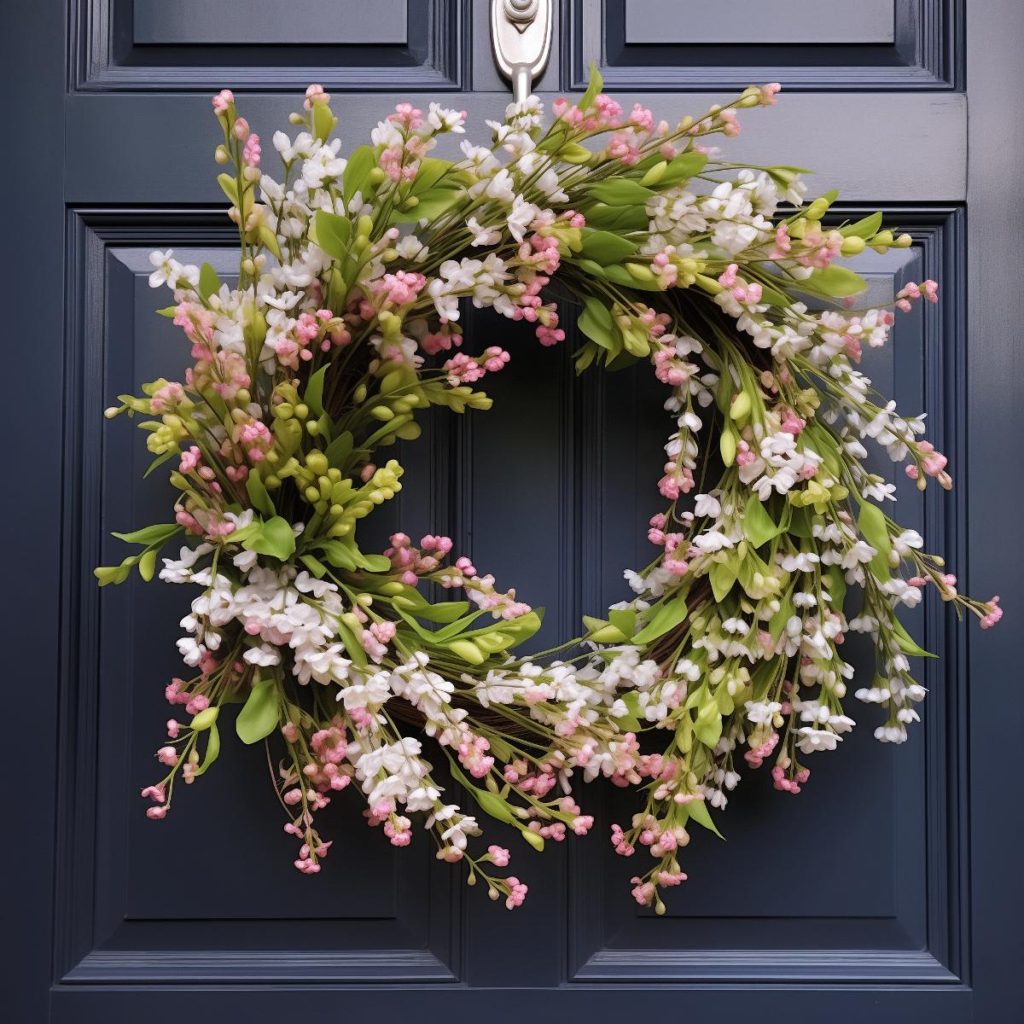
[(727, 446), (817, 209), (205, 719), (317, 463), (853, 245), (639, 272), (655, 174), (534, 839), (740, 407)]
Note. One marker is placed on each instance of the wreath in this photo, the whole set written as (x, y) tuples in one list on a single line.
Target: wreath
[(344, 328)]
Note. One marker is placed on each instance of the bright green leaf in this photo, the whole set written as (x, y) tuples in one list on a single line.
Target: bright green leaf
[(431, 172), (314, 395), (362, 160), (839, 282), (275, 538), (723, 576), (209, 282), (333, 234), (157, 534), (758, 526), (258, 495), (260, 715), (683, 167), (864, 228), (147, 564), (621, 192), (594, 87), (698, 811), (212, 750), (605, 248), (669, 614)]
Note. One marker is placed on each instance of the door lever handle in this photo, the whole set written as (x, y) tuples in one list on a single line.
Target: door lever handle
[(521, 37)]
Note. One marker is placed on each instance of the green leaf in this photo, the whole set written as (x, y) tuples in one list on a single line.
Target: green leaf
[(159, 461), (374, 563), (333, 233), (339, 449), (683, 167), (340, 555), (431, 172), (107, 574), (432, 203), (352, 645), (447, 611), (773, 296), (708, 726), (229, 186), (836, 586), (594, 87), (323, 121), (314, 396), (467, 651), (157, 534), (778, 621), (525, 626), (621, 276), (623, 619), (212, 749), (605, 248), (209, 282), (698, 812), (839, 282), (274, 538), (147, 564), (259, 717), (864, 228), (599, 328), (907, 643), (801, 524), (873, 528), (258, 495), (723, 576), (621, 192), (168, 311), (362, 160), (758, 526), (617, 218), (670, 613)]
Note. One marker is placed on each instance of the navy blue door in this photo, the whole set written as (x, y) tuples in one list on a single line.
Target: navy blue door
[(888, 891)]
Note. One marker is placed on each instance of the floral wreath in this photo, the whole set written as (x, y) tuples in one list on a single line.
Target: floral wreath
[(344, 327)]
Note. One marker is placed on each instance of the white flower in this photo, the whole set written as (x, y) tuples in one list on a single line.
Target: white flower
[(500, 187), (482, 235), (762, 712), (264, 655), (812, 740), (713, 540), (411, 248), (520, 217), (706, 505), (442, 119)]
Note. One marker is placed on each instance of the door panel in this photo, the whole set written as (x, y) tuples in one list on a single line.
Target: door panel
[(891, 45), (882, 893), (199, 46)]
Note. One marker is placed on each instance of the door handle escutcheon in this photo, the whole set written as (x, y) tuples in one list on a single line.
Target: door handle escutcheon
[(521, 38)]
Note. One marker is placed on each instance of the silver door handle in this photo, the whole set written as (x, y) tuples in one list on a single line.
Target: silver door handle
[(521, 37)]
